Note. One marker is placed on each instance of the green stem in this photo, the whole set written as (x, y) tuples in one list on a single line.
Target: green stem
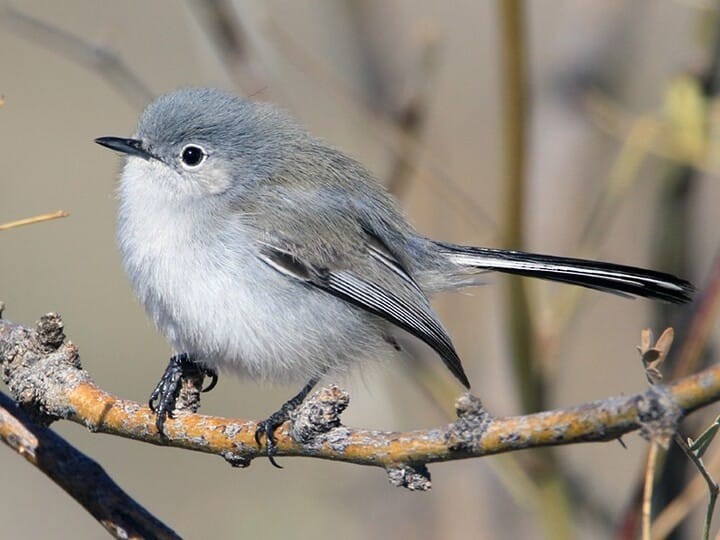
[(528, 376), (554, 503)]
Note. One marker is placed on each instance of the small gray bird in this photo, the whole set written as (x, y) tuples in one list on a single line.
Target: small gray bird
[(258, 249)]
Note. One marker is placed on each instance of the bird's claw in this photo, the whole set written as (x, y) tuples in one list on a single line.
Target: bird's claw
[(267, 428), (277, 419), (209, 372), (164, 397)]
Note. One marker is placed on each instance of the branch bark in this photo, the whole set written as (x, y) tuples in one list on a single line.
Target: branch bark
[(78, 475), (42, 370)]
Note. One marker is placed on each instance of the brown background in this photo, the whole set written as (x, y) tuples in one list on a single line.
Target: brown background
[(298, 52)]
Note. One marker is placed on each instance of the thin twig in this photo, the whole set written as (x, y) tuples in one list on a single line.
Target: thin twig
[(81, 477), (648, 489), (527, 373), (702, 321), (89, 55), (621, 178), (653, 354), (613, 119), (226, 34), (711, 484), (411, 116), (675, 512), (429, 168), (35, 219)]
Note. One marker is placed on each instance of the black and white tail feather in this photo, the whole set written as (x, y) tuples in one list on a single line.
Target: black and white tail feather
[(618, 279)]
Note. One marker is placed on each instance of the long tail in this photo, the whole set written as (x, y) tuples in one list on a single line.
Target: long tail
[(604, 276)]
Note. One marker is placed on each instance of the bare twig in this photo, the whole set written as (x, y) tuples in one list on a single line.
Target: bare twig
[(384, 127), (622, 177), (678, 509), (709, 481), (225, 32), (697, 332), (89, 55), (648, 489), (702, 320), (35, 219), (653, 354), (399, 91), (412, 114), (81, 477)]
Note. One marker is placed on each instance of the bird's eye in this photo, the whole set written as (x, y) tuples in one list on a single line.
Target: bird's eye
[(192, 155)]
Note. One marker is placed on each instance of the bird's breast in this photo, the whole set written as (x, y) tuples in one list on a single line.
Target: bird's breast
[(201, 283)]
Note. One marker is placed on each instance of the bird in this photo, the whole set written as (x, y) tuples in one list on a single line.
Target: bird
[(257, 248)]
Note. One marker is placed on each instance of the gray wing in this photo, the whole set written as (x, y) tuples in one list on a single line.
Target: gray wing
[(392, 295)]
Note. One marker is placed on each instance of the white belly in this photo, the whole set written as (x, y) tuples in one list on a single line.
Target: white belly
[(208, 293)]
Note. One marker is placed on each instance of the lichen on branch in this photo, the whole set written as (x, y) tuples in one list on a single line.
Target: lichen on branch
[(43, 371)]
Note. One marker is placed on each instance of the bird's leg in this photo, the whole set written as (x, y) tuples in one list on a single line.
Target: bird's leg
[(163, 398), (278, 418)]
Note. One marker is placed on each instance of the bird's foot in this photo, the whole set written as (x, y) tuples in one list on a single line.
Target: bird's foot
[(267, 427), (164, 397)]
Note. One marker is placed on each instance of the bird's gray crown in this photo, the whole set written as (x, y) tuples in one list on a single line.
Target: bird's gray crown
[(229, 126)]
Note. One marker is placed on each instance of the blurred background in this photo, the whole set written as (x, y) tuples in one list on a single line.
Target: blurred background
[(577, 128)]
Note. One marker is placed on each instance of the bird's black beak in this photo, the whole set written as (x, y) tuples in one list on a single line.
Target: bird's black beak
[(131, 147)]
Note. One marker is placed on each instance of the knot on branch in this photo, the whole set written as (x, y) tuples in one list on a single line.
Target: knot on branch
[(191, 386), (318, 414), (50, 332), (658, 415), (236, 460), (413, 477), (473, 420), (39, 367)]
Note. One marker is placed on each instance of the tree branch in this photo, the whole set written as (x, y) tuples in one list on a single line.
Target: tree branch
[(42, 370), (80, 476)]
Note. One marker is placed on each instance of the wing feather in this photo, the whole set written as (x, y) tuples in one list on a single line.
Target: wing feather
[(403, 304)]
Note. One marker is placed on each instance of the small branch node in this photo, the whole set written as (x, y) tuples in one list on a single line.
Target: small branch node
[(318, 414), (70, 355), (658, 415), (653, 354), (50, 332), (473, 420), (236, 460), (191, 386), (413, 477), (40, 367)]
